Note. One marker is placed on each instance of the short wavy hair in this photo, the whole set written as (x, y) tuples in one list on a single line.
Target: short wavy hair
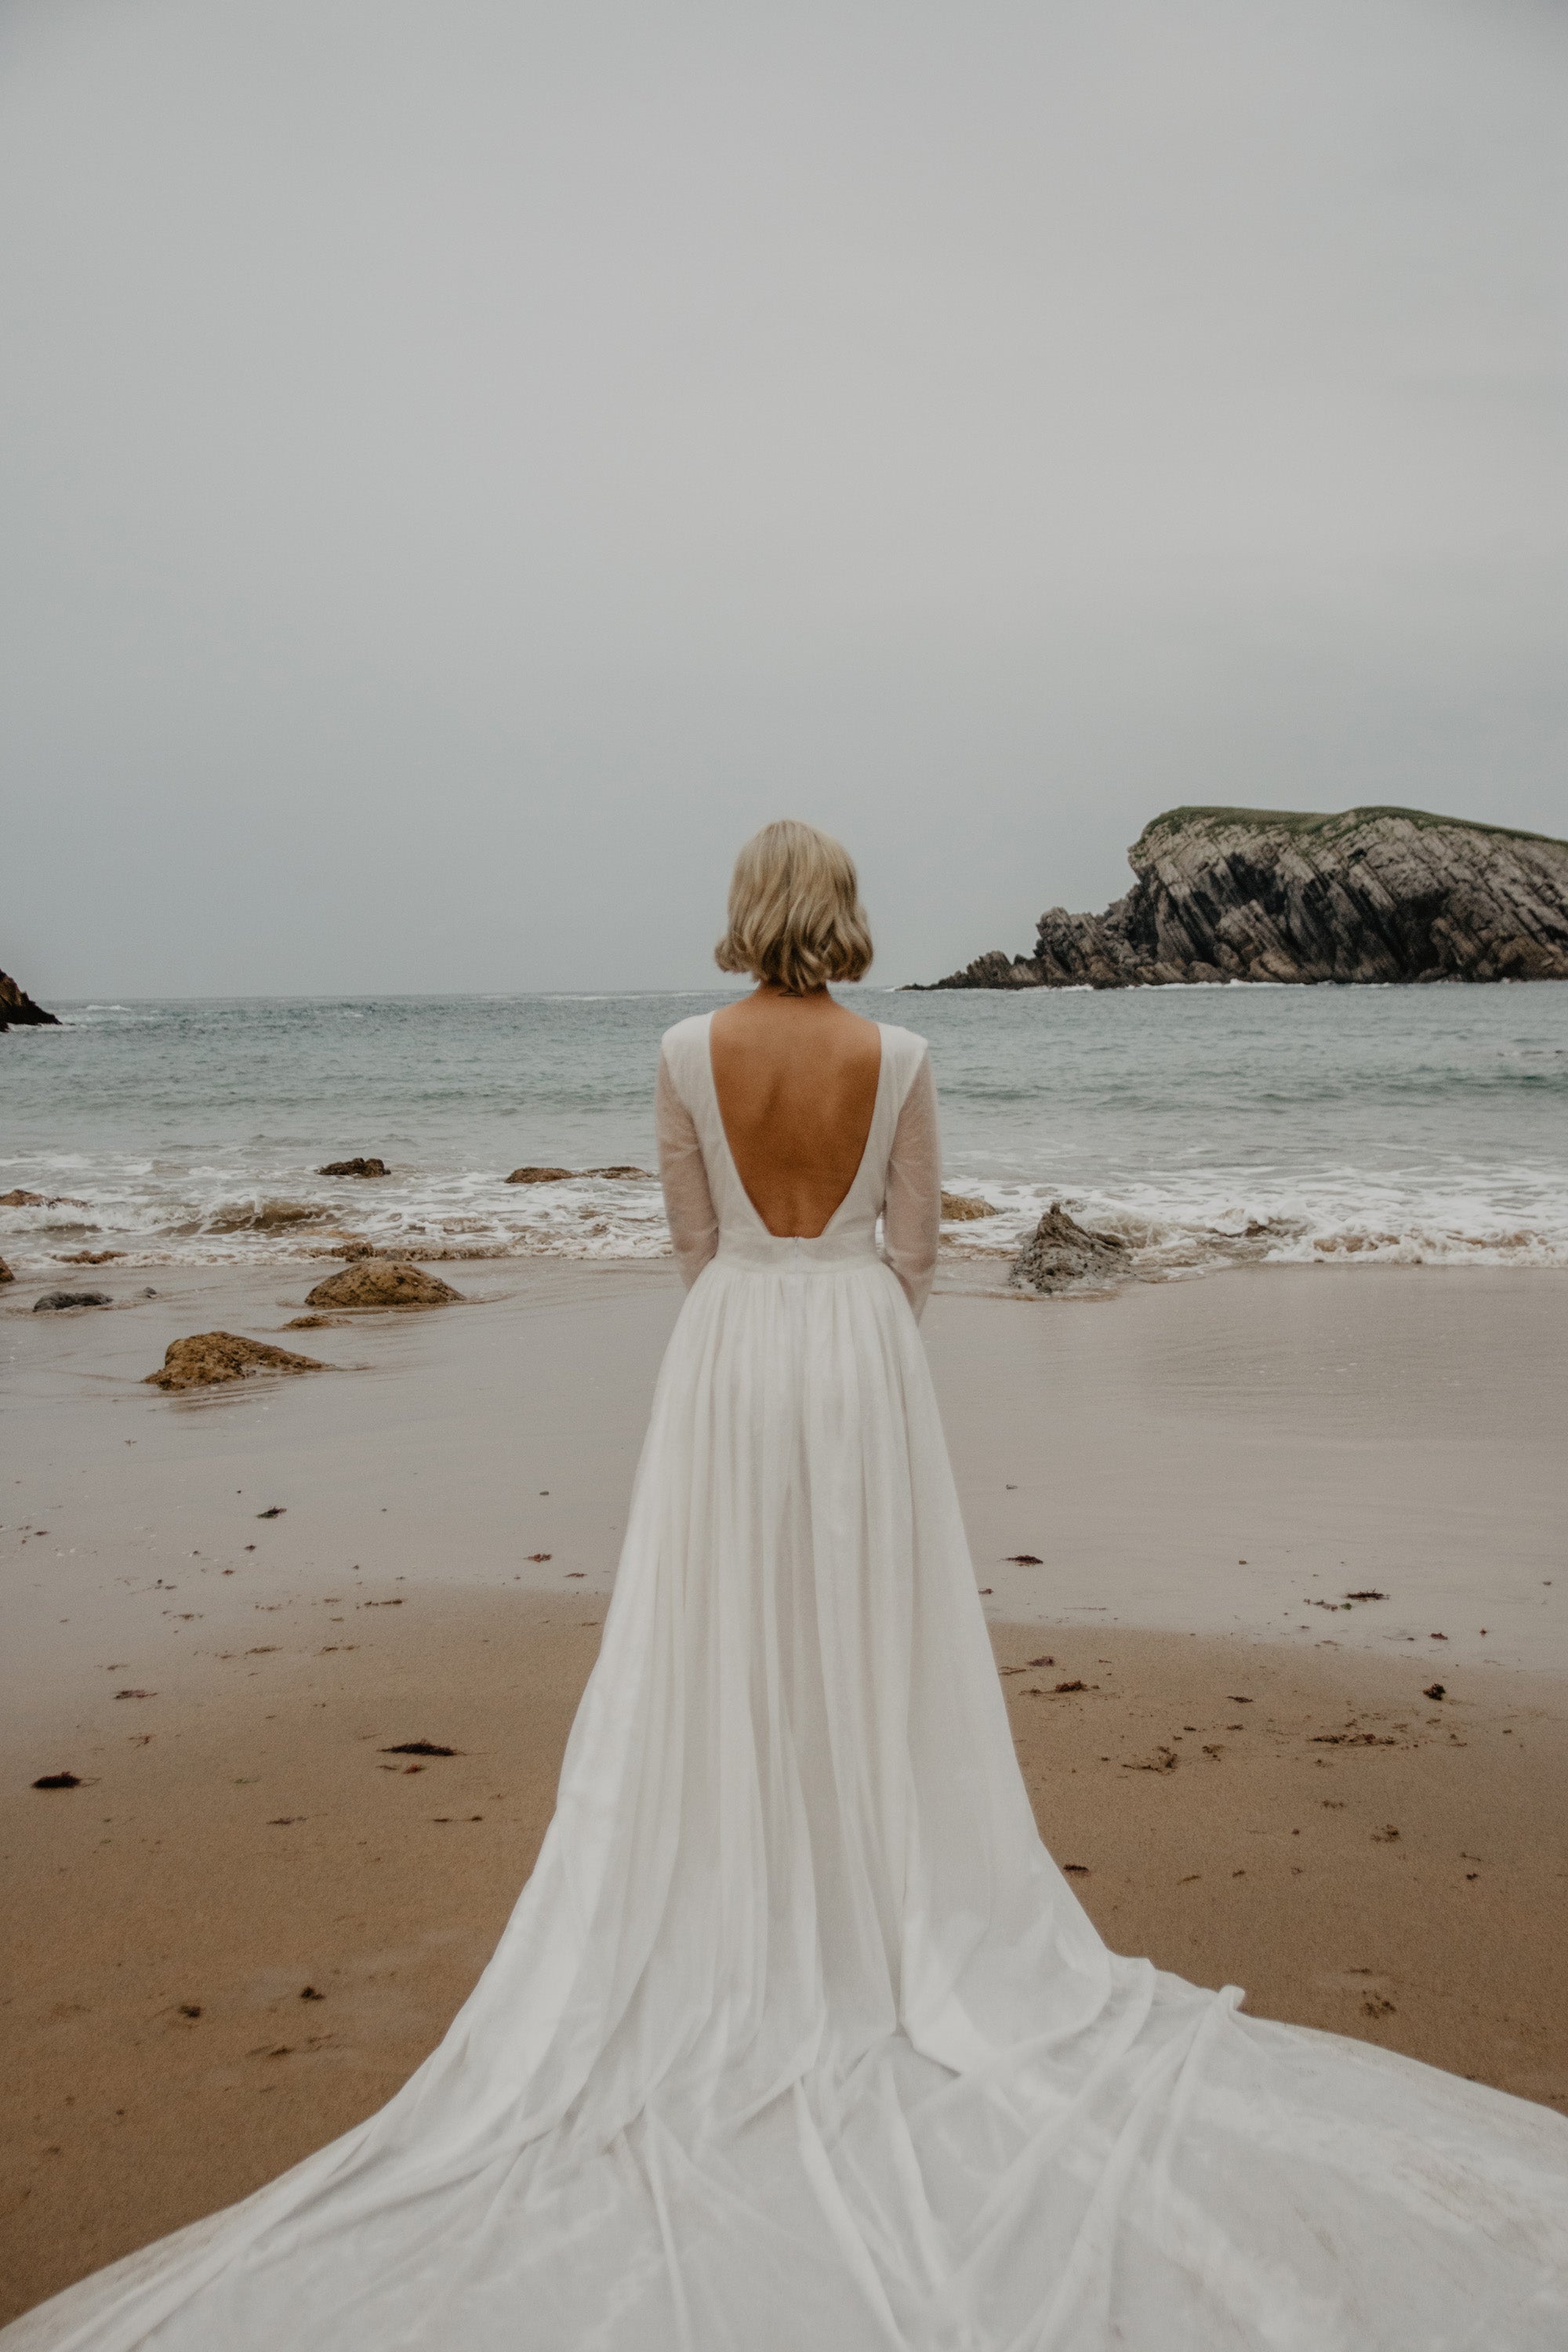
[(795, 917)]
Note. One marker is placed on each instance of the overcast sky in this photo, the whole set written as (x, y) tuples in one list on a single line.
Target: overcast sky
[(465, 466)]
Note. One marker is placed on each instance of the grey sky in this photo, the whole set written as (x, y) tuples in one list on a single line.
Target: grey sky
[(465, 466)]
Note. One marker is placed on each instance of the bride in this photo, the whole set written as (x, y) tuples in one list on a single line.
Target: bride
[(798, 2041)]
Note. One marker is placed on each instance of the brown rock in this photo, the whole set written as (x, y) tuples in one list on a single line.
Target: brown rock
[(263, 1217), (959, 1208), (354, 1168), (1060, 1253), (5, 1273), (572, 1175), (17, 1199), (209, 1357), (372, 1282)]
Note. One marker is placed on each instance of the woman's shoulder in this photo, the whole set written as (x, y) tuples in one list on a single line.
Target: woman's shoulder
[(903, 1045), (683, 1034), (903, 1051), (683, 1049)]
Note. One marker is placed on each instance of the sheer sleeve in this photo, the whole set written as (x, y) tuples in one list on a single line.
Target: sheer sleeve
[(911, 1211), (688, 1203)]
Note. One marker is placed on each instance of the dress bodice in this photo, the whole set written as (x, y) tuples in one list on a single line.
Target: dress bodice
[(898, 1180)]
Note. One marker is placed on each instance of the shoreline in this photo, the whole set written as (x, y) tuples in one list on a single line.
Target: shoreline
[(250, 1923)]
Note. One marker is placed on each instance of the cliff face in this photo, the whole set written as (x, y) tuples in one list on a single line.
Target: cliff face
[(1376, 893), (17, 1010)]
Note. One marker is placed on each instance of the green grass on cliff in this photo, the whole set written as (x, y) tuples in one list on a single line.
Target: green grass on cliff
[(1318, 820)]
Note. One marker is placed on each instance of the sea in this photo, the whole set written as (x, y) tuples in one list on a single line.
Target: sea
[(1204, 1126)]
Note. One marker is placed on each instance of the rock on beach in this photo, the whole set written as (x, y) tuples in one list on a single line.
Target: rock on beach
[(54, 1302), (354, 1168), (1060, 1253), (960, 1208), (209, 1357), (372, 1282)]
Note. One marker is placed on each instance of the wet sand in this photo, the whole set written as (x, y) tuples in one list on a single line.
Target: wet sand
[(1235, 1454), (1197, 1466), (1358, 1857)]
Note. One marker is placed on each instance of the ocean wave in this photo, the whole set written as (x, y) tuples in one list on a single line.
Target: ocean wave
[(1185, 1224), (145, 1212)]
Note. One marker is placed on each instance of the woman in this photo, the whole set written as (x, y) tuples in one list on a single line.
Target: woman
[(798, 2041)]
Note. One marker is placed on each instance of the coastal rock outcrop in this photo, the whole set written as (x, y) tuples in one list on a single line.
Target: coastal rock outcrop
[(17, 1010), (372, 1282), (209, 1357), (1060, 1253), (5, 1273), (354, 1168), (59, 1302), (1373, 894)]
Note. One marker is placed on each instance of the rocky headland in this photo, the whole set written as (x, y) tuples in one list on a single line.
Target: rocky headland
[(17, 1010), (1373, 894)]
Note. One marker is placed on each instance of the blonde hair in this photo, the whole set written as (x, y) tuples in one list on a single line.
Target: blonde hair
[(795, 917)]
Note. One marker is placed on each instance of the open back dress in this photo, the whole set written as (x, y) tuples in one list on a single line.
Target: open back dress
[(797, 2040)]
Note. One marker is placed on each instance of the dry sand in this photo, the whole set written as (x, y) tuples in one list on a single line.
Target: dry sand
[(1229, 1456)]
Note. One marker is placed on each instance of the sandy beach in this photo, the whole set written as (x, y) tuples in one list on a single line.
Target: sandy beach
[(249, 1920)]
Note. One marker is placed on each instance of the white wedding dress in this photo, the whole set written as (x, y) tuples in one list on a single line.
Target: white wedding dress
[(798, 2041)]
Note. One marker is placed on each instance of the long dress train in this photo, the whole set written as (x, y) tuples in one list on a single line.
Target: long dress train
[(798, 2041)]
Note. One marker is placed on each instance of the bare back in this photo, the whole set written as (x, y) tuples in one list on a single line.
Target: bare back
[(796, 1078)]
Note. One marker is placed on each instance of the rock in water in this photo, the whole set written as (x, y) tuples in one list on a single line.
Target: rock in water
[(354, 1168), (572, 1175), (17, 1010), (1061, 1251), (209, 1357), (959, 1208), (1374, 894), (56, 1301), (371, 1282), (5, 1273)]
